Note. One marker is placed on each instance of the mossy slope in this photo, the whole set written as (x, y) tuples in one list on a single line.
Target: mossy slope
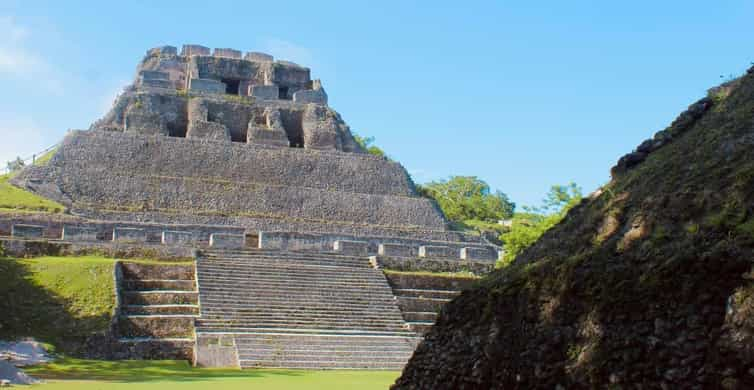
[(646, 284)]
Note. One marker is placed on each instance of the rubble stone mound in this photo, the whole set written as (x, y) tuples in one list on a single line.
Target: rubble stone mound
[(647, 284)]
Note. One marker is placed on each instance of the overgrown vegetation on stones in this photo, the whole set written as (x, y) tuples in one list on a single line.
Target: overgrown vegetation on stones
[(646, 284)]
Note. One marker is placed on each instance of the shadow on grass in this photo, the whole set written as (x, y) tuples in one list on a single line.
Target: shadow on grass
[(30, 309), (144, 371)]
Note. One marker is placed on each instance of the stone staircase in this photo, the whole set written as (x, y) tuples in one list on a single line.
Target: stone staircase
[(422, 296), (301, 310), (158, 304)]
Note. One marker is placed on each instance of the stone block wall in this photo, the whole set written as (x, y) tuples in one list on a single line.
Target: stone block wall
[(264, 92), (258, 57), (206, 85), (134, 235), (27, 231), (432, 265), (310, 96), (194, 50), (227, 53), (351, 248), (175, 157), (79, 233), (438, 252), (227, 241)]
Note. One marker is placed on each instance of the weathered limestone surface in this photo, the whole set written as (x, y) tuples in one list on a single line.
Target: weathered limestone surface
[(176, 157), (170, 237), (227, 53), (258, 57), (433, 265), (27, 231), (227, 241), (265, 92), (438, 252), (397, 250), (79, 233), (216, 351), (267, 129), (479, 253), (310, 96), (121, 234), (194, 50), (207, 85), (353, 248)]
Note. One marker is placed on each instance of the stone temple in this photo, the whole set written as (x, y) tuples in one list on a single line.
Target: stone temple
[(237, 159)]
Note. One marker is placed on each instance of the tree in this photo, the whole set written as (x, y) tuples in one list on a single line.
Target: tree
[(367, 143), (15, 165), (527, 227), (468, 200)]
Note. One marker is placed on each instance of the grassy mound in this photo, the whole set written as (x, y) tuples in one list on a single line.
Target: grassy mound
[(13, 199), (57, 300), (647, 284), (161, 375)]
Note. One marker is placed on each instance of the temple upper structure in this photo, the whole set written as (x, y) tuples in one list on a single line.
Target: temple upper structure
[(225, 95)]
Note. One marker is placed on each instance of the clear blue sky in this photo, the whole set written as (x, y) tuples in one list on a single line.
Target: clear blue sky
[(523, 94)]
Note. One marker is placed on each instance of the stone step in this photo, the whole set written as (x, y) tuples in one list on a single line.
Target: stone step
[(294, 280), (288, 313), (287, 254), (155, 326), (419, 293), (159, 298), (139, 271), (161, 309), (274, 311), (421, 304), (322, 365), (314, 293), (303, 331), (230, 279), (247, 285), (324, 283), (298, 322), (152, 348), (420, 327), (158, 284), (415, 316), (251, 301), (290, 262), (295, 341), (290, 271), (257, 326)]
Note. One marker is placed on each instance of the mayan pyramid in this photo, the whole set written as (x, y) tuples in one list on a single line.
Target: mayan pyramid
[(240, 157)]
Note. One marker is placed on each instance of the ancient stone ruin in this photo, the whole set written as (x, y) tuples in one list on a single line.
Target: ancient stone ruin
[(237, 161)]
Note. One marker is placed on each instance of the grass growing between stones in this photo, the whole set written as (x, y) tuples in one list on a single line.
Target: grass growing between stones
[(68, 374), (57, 300), (13, 199)]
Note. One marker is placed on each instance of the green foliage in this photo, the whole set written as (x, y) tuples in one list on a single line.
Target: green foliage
[(16, 199), (367, 143), (527, 227), (78, 374), (468, 200), (59, 300)]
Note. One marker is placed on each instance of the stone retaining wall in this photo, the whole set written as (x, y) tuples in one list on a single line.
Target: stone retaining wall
[(433, 265)]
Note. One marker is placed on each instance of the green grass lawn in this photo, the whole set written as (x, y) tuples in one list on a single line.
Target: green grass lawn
[(16, 199), (55, 299), (69, 374)]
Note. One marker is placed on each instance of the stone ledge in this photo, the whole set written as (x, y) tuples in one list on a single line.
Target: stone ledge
[(432, 265)]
